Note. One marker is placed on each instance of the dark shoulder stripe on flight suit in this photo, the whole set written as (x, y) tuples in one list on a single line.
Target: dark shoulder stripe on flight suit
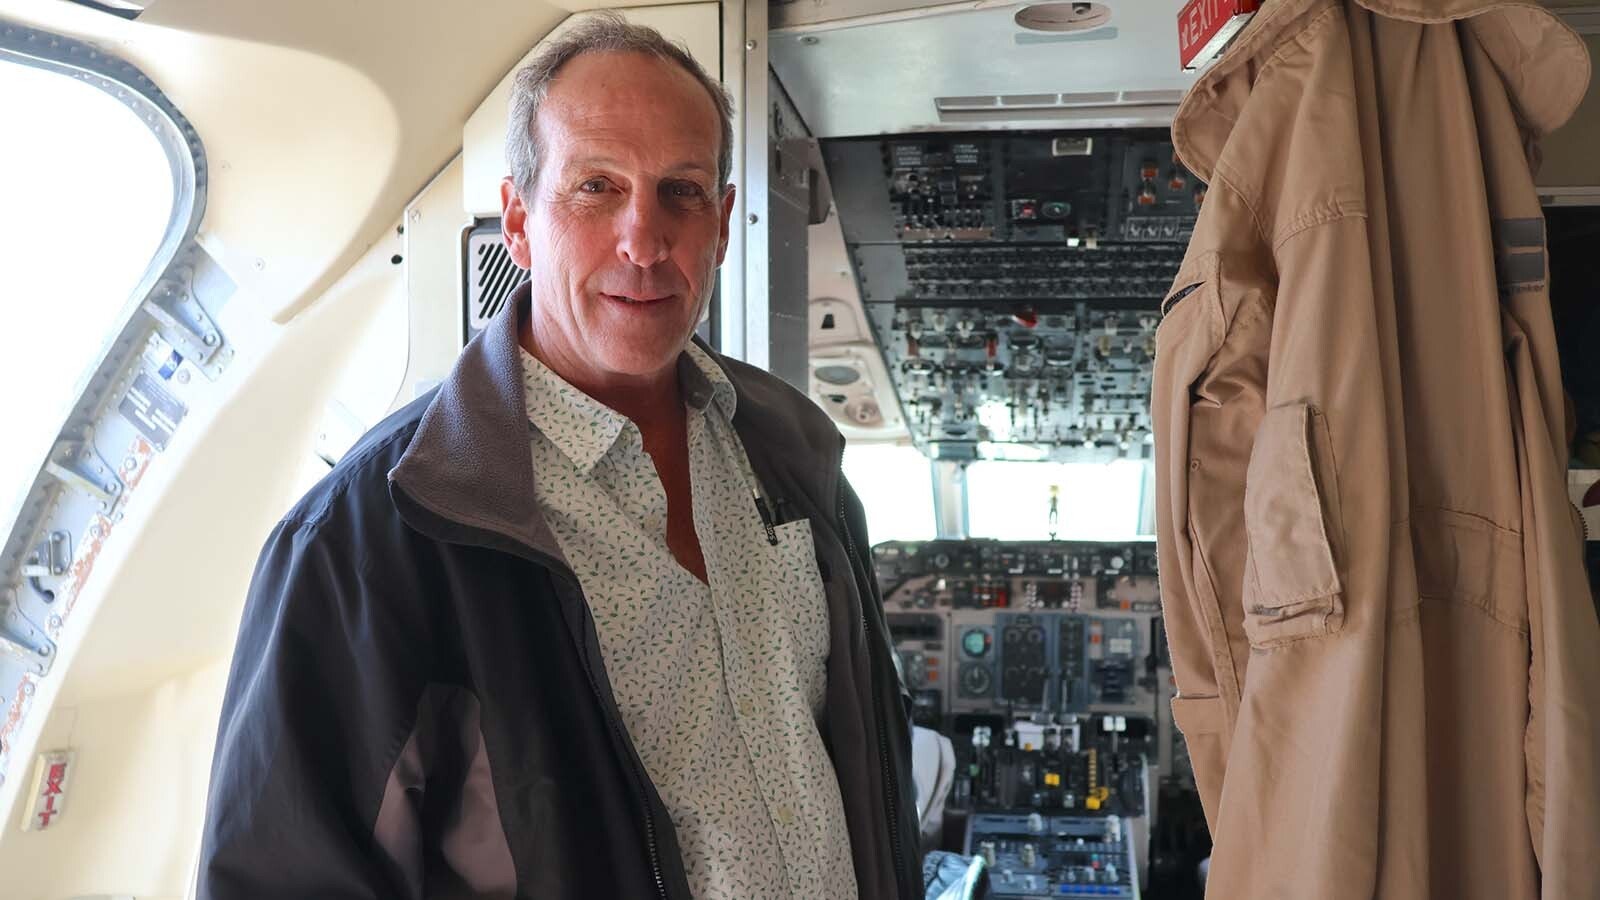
[(1519, 254)]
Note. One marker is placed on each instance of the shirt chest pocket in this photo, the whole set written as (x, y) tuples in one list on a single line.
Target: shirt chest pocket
[(795, 585)]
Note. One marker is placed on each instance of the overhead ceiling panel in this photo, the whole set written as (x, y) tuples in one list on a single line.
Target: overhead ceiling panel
[(959, 68)]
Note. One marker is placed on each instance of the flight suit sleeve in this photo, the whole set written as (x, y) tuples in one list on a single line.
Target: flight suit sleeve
[(319, 701), (1562, 741), (1208, 398), (1267, 556)]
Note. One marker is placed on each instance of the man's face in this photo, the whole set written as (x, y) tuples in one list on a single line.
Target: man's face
[(627, 223)]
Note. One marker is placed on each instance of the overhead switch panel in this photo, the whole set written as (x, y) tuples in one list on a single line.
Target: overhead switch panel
[(1013, 282)]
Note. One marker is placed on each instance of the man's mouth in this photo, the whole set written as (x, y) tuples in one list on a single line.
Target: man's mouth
[(635, 300)]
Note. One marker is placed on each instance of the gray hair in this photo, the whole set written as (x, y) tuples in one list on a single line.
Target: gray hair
[(597, 33)]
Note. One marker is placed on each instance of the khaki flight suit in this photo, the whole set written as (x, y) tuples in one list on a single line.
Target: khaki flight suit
[(1386, 653)]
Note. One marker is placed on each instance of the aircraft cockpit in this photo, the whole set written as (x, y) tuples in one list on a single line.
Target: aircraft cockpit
[(236, 238)]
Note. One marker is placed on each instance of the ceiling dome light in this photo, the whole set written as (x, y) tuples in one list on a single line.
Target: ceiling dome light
[(840, 375), (1060, 17)]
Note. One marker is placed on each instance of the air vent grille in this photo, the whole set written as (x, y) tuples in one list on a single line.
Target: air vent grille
[(1064, 107), (491, 276)]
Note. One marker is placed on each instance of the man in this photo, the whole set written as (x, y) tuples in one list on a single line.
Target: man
[(596, 619)]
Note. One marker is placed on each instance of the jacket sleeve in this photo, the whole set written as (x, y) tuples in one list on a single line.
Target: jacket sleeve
[(893, 684), (872, 596), (319, 701)]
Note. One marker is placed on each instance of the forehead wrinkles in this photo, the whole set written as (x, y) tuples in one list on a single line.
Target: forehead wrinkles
[(604, 146)]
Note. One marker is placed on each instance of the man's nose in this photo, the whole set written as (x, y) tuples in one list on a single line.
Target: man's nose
[(642, 235)]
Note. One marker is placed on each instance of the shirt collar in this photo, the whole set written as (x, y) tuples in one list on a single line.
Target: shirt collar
[(704, 382), (585, 430), (581, 427)]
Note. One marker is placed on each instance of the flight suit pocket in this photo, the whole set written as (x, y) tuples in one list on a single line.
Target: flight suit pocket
[(1292, 587), (1203, 724)]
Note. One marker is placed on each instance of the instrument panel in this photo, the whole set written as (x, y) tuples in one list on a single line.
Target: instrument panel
[(1051, 627), (1034, 855), (1046, 665)]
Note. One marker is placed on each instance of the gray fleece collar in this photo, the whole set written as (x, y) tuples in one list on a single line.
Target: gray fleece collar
[(469, 466)]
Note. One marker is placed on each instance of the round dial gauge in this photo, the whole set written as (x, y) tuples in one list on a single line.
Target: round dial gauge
[(976, 680), (975, 642)]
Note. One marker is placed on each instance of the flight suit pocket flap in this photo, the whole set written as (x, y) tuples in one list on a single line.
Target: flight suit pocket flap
[(1292, 582), (1203, 723), (1196, 716)]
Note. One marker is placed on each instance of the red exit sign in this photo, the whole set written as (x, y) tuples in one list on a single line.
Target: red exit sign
[(51, 779), (1206, 26)]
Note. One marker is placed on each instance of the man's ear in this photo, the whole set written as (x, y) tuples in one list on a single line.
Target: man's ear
[(727, 213), (514, 224)]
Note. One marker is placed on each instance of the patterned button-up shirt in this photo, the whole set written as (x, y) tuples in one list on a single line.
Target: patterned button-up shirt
[(721, 685)]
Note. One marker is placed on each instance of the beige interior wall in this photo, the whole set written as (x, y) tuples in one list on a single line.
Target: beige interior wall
[(141, 770), (140, 696)]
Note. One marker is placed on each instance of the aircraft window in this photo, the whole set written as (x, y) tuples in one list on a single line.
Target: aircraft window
[(88, 193), (895, 484), (1010, 500)]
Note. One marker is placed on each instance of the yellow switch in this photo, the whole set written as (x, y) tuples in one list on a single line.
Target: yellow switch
[(1097, 797), (1052, 779)]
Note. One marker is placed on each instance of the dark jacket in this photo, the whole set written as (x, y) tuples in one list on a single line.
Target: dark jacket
[(418, 706)]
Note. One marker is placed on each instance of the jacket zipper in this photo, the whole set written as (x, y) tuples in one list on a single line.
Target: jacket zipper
[(617, 732), (557, 569), (892, 801)]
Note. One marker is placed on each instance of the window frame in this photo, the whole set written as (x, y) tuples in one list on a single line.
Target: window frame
[(61, 520)]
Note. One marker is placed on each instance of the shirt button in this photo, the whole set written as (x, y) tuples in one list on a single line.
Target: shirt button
[(747, 709), (785, 815)]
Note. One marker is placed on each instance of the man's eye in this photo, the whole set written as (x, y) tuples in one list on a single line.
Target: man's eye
[(593, 186), (685, 189)]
